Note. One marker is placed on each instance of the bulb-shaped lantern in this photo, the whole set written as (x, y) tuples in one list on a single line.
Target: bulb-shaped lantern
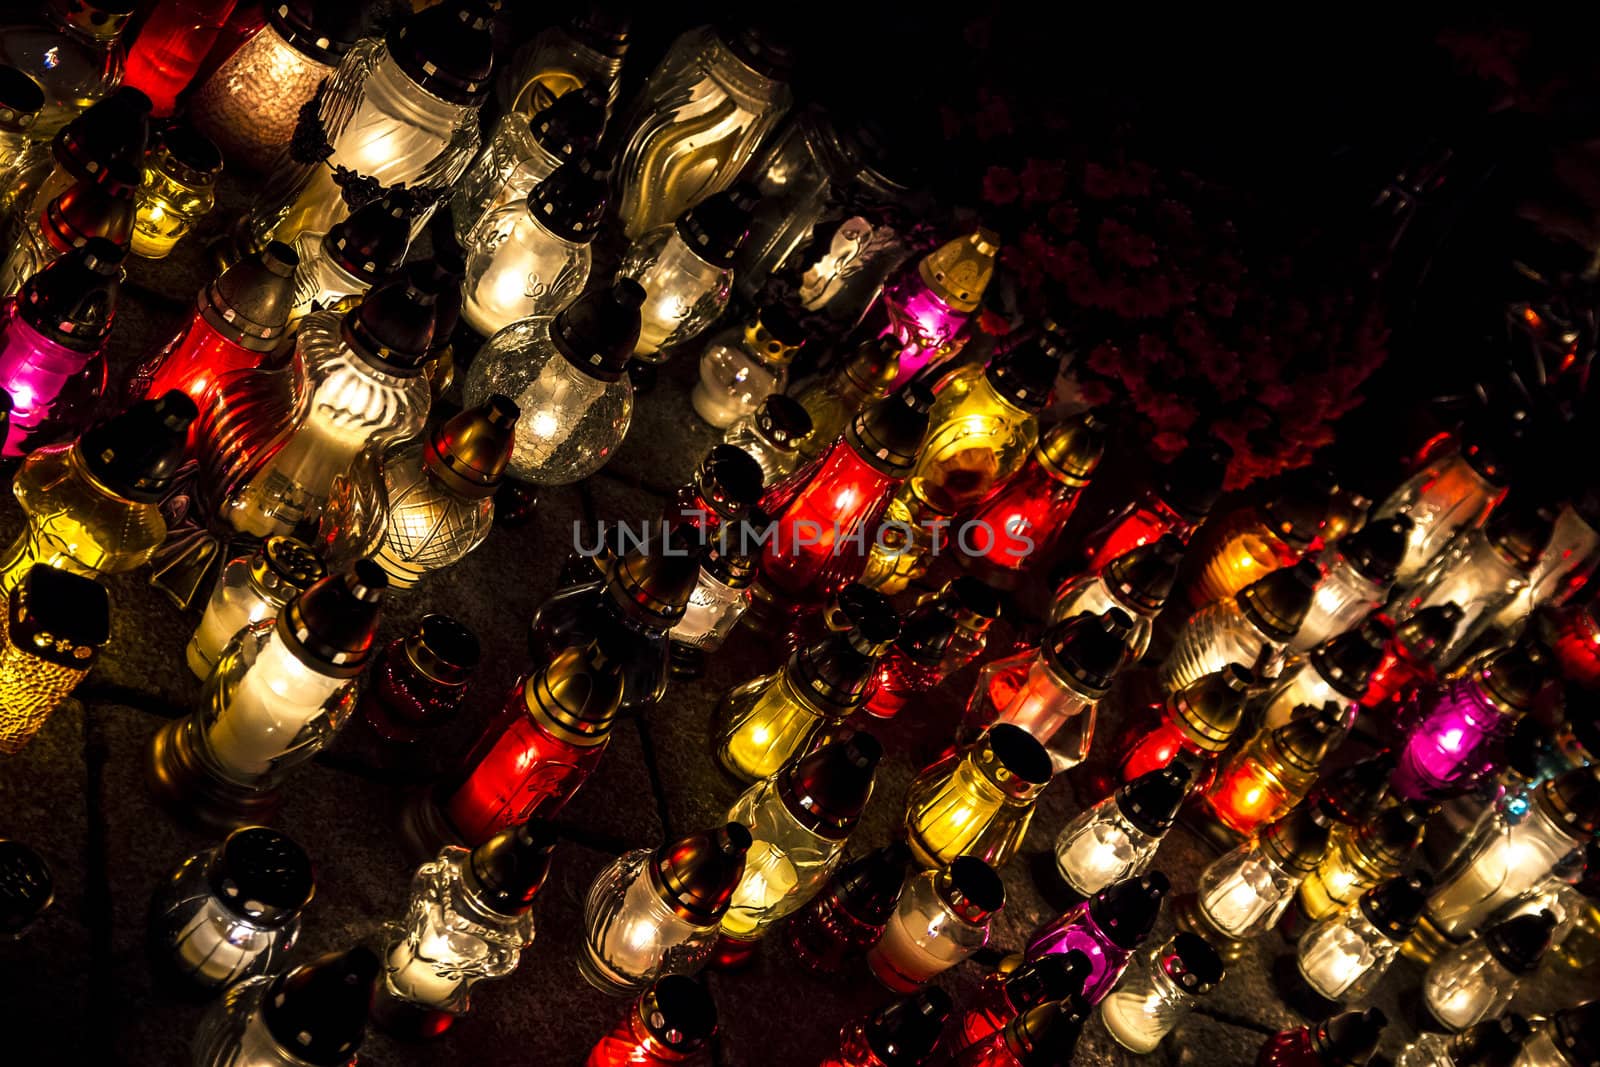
[(1358, 571), (843, 922), (357, 253), (1117, 838), (905, 1034), (1274, 770), (772, 435), (1236, 549), (672, 1022), (1480, 978), (178, 189), (1342, 957), (530, 258), (1136, 582), (1161, 985), (1347, 1040), (1339, 671), (1360, 857), (420, 680), (568, 376), (686, 271), (1247, 890), (925, 304), (744, 364), (654, 913), (251, 588), (834, 399)]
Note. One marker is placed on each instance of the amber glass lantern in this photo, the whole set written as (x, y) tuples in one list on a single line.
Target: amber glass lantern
[(1359, 857), (55, 624), (1237, 549), (1274, 770)]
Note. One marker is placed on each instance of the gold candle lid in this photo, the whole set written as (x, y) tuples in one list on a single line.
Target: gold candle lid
[(1071, 451), (1208, 710), (959, 271)]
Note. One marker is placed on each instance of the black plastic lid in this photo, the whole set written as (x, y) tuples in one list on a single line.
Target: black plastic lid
[(573, 123), (1143, 576), (1297, 841), (1088, 650), (1025, 376), (321, 30), (330, 626), (699, 873), (1020, 753), (1484, 460), (392, 329), (1193, 963), (869, 888), (117, 129), (372, 242), (1520, 531), (1048, 978), (1309, 735), (1127, 911), (761, 51), (1278, 603), (906, 1033), (1377, 549), (838, 670), (972, 889), (729, 481), (1394, 906), (1352, 795), (1577, 1033), (73, 300), (59, 617), (1194, 480), (317, 1012), (26, 888), (444, 649), (1047, 1036), (888, 435), (442, 276), (447, 50), (679, 1013), (827, 790), (1491, 1043), (1151, 801), (1530, 743), (964, 605), (598, 332), (1573, 801), (716, 227), (262, 876), (136, 454), (1350, 1039), (1346, 661), (1428, 632), (1297, 512), (1521, 942), (249, 303), (21, 99), (571, 202), (783, 421), (1392, 836), (1515, 675), (505, 873), (191, 156)]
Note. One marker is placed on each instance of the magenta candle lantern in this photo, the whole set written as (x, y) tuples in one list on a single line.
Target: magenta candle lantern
[(1457, 741), (50, 345), (927, 302), (1106, 928)]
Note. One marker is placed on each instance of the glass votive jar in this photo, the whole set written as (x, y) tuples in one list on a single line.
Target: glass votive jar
[(419, 680), (1161, 985), (942, 918), (232, 912), (179, 188), (1479, 979)]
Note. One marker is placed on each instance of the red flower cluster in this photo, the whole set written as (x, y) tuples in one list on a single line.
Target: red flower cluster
[(1197, 331)]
